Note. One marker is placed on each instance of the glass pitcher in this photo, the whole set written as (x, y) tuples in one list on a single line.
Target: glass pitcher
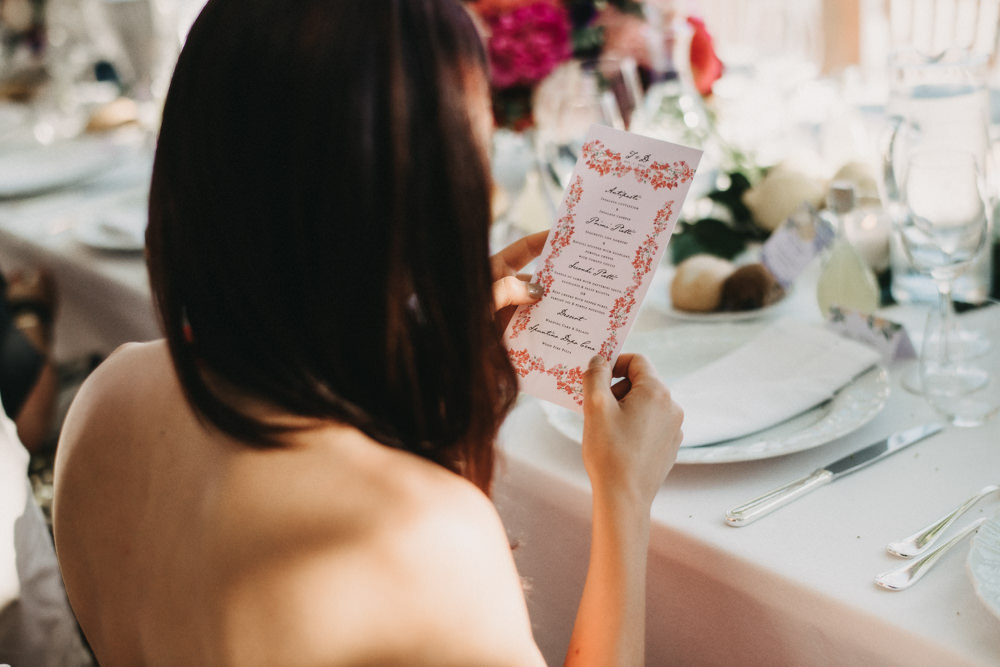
[(939, 100)]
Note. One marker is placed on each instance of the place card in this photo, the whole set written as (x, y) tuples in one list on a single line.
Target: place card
[(792, 246), (618, 212), (887, 337)]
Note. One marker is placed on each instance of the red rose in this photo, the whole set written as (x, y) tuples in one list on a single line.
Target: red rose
[(705, 65)]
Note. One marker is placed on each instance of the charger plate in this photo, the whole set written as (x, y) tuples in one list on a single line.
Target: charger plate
[(680, 350)]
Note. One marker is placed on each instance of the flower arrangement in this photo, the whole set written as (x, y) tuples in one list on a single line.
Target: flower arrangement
[(528, 39)]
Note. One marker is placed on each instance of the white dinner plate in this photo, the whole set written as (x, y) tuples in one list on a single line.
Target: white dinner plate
[(659, 299), (31, 168), (118, 226), (686, 349), (984, 565)]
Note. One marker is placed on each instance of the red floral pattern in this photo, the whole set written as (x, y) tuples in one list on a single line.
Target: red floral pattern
[(605, 161), (560, 238), (642, 264), (568, 379)]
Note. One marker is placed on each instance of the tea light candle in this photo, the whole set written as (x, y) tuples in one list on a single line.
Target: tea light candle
[(868, 230)]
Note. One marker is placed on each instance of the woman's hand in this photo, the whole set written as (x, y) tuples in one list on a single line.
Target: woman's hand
[(631, 431), (509, 288)]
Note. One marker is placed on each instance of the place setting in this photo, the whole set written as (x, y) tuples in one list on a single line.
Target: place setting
[(768, 406), (752, 386)]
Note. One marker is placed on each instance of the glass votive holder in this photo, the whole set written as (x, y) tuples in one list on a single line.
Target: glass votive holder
[(963, 388)]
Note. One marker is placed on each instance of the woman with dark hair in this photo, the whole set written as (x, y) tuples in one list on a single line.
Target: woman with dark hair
[(299, 474)]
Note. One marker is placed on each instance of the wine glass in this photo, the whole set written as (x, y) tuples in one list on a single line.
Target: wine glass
[(575, 96), (976, 398), (943, 228)]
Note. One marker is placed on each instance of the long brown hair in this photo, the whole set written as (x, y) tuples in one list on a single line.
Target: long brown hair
[(318, 224)]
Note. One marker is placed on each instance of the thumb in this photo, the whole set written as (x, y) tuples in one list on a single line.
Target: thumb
[(597, 381), (511, 291)]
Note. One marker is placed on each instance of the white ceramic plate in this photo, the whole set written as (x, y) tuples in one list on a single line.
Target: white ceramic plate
[(984, 565), (28, 169), (687, 348), (659, 299), (119, 226)]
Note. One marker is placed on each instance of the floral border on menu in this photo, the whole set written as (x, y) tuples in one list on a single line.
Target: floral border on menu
[(605, 161), (568, 379), (642, 264), (561, 236)]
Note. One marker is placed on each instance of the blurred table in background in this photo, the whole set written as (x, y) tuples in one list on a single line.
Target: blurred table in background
[(104, 297)]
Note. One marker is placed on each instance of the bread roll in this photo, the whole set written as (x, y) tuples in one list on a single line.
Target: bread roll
[(750, 287), (697, 283)]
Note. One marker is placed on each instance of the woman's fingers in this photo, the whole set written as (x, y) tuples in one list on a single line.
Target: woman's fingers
[(620, 388), (512, 291), (517, 255)]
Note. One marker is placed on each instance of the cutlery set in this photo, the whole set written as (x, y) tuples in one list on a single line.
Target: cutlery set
[(772, 500), (919, 548), (919, 545)]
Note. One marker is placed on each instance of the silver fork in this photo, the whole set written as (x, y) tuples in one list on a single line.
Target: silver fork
[(921, 541), (903, 577)]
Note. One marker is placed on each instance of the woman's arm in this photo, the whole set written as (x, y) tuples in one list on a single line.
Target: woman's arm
[(631, 435), (630, 440)]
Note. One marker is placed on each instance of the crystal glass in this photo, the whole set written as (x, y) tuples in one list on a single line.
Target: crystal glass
[(943, 228), (575, 96), (965, 391)]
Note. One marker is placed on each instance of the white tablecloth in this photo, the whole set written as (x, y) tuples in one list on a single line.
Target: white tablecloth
[(795, 588)]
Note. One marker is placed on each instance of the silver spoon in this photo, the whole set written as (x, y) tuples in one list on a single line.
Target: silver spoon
[(903, 577), (921, 541)]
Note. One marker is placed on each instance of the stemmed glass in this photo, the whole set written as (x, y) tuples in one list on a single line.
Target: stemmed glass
[(575, 96), (943, 228)]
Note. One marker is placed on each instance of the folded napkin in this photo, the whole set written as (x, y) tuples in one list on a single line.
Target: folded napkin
[(787, 369)]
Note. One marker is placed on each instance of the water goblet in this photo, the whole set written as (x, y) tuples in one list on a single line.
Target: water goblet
[(575, 96), (943, 228), (964, 391)]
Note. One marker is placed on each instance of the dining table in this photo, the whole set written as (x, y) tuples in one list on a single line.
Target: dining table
[(793, 588)]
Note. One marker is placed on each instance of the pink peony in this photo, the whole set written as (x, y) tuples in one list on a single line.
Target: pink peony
[(527, 43), (490, 8)]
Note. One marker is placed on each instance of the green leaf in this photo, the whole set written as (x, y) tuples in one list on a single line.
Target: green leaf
[(710, 236), (732, 198)]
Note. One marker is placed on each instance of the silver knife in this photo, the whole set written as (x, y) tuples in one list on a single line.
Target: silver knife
[(772, 500)]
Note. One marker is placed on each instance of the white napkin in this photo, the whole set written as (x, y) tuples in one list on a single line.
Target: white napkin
[(787, 369)]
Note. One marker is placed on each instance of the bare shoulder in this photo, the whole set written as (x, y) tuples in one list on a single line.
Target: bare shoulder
[(110, 397), (123, 372), (430, 581)]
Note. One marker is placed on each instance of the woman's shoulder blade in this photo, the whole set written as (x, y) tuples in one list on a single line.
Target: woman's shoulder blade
[(428, 579)]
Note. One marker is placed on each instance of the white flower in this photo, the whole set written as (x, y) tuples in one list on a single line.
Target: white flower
[(780, 193)]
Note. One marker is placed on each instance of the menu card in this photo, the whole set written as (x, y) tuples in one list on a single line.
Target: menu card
[(612, 227)]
